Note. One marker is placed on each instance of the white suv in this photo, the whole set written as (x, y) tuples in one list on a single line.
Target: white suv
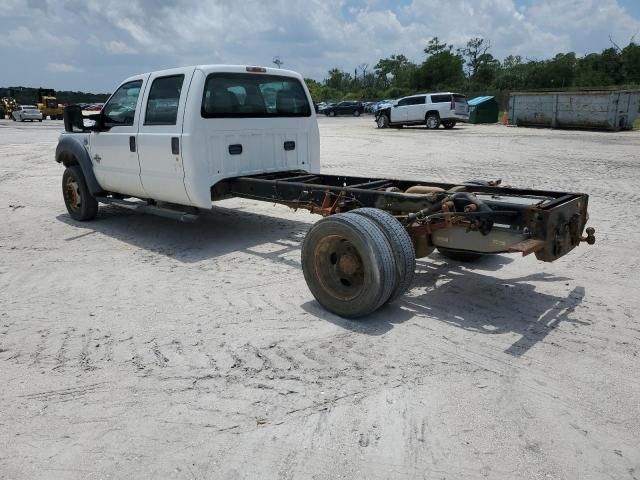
[(430, 109)]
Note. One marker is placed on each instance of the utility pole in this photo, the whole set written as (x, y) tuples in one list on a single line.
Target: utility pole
[(278, 61)]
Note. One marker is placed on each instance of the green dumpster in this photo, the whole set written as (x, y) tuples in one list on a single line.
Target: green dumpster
[(483, 110)]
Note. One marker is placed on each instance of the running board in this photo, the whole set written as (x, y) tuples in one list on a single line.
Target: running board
[(174, 214)]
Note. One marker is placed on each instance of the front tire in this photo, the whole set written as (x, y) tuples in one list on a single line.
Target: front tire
[(356, 113), (332, 114), (382, 121), (348, 265), (81, 205), (432, 121)]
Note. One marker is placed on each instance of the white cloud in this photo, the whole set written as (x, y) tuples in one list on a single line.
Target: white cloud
[(121, 37), (62, 68), (119, 48)]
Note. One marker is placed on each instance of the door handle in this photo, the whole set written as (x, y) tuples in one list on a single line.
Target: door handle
[(132, 144), (97, 157), (175, 145)]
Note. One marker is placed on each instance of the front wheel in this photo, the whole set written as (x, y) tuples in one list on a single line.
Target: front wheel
[(332, 114), (432, 121), (383, 121), (356, 113), (81, 205), (449, 124)]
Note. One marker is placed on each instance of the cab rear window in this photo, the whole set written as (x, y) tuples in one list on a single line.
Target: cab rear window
[(240, 95)]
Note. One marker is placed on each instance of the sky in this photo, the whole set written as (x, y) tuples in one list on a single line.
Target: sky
[(92, 45)]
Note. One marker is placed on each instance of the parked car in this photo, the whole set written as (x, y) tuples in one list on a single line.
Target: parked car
[(26, 112), (345, 108), (430, 109)]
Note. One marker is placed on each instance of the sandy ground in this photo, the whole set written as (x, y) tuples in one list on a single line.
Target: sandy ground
[(137, 347)]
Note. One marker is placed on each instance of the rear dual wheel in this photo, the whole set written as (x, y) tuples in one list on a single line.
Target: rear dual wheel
[(352, 263)]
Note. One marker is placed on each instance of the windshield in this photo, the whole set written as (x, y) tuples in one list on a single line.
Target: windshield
[(241, 95)]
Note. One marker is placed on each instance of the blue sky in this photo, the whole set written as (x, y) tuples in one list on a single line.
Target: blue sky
[(92, 45)]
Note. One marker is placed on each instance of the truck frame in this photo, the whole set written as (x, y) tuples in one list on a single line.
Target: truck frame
[(362, 254)]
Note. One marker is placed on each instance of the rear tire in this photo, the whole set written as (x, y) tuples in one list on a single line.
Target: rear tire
[(449, 124), (348, 265), (356, 113), (459, 256), (401, 246), (432, 121), (81, 205), (382, 121), (332, 114)]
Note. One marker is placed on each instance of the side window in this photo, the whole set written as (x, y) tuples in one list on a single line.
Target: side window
[(440, 98), (120, 110), (416, 100), (403, 102), (164, 97)]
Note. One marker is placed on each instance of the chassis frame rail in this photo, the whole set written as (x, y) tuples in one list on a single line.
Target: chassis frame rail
[(551, 221)]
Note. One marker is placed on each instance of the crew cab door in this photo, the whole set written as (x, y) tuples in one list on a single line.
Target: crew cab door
[(160, 136), (114, 152)]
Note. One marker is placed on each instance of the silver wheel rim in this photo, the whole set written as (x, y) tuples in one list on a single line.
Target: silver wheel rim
[(432, 122)]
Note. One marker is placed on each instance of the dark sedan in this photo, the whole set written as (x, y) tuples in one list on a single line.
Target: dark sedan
[(345, 108)]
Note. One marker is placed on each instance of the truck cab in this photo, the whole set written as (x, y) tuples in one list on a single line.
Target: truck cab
[(174, 134)]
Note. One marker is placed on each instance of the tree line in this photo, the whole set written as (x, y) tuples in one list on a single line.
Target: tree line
[(473, 68), (29, 95)]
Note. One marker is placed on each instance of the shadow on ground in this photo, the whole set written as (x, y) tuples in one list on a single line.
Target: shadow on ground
[(467, 296), (217, 232)]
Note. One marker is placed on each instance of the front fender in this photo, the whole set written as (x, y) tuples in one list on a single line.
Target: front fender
[(71, 151)]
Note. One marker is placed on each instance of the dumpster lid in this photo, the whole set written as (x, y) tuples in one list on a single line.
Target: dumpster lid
[(479, 100)]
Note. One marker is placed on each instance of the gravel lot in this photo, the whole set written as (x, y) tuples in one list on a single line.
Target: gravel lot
[(137, 347)]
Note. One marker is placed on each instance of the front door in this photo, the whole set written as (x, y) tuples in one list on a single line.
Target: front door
[(399, 111), (160, 136), (114, 151)]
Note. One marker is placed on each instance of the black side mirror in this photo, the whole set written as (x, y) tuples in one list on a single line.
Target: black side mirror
[(73, 119)]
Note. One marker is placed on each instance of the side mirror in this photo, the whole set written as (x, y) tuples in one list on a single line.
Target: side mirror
[(395, 105), (73, 119)]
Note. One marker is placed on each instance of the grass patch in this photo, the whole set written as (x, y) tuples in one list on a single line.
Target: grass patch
[(636, 124)]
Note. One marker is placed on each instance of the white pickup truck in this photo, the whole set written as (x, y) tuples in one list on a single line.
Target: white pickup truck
[(172, 142)]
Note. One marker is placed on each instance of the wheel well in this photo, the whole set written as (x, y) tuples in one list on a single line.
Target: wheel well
[(67, 159), (430, 112)]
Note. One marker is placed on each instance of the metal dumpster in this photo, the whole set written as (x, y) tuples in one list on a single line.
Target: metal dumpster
[(599, 109)]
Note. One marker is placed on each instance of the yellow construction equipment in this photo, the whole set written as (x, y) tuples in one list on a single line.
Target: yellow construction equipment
[(48, 104)]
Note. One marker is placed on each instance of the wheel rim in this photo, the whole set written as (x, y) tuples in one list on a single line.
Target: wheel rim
[(339, 267), (432, 122), (72, 193), (380, 121)]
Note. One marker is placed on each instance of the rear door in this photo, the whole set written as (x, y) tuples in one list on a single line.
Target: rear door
[(416, 109), (160, 136), (461, 106)]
